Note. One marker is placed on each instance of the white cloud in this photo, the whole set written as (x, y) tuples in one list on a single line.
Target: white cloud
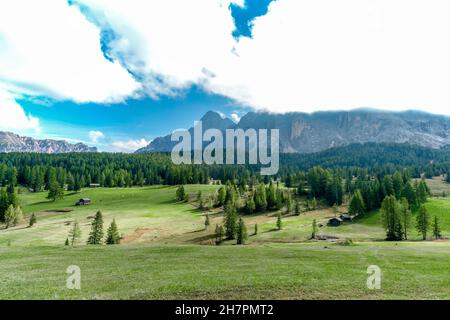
[(326, 54), (235, 117), (129, 146), (13, 117), (49, 48), (305, 55), (95, 136), (171, 44)]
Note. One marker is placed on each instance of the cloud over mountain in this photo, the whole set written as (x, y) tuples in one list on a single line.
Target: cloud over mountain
[(303, 55)]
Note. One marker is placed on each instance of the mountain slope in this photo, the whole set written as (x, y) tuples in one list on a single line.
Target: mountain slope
[(211, 120), (308, 133), (10, 142)]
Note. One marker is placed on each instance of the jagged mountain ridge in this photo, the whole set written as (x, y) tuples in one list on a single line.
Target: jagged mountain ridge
[(10, 142), (309, 133)]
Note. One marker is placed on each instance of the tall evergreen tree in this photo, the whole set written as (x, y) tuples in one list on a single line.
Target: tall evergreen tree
[(297, 208), (96, 235), (422, 192), (423, 222), (436, 228), (18, 215), (221, 195), (405, 214), (55, 192), (261, 198), (357, 205), (10, 216), (219, 233), (112, 235), (409, 194), (250, 206), (391, 218), (230, 221), (241, 232)]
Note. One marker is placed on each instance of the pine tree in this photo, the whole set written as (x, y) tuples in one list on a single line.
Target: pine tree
[(405, 213), (271, 196), (297, 208), (96, 235), (75, 233), (422, 192), (33, 220), (10, 216), (423, 222), (4, 204), (314, 229), (250, 206), (220, 232), (256, 230), (279, 222), (289, 204), (70, 182), (409, 194), (18, 215), (436, 228), (221, 196), (230, 221), (67, 242), (55, 192), (261, 198), (241, 232), (181, 193), (357, 205), (112, 235), (391, 218)]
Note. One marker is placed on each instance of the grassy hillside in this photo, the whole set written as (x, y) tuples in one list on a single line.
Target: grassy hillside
[(151, 215), (142, 214), (160, 256)]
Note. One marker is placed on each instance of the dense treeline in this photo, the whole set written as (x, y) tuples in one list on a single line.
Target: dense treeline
[(378, 159), (108, 170), (121, 170)]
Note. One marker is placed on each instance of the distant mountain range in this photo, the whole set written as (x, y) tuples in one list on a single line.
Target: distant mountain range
[(10, 142), (309, 133)]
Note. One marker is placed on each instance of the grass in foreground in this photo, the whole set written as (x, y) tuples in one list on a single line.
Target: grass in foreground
[(284, 271)]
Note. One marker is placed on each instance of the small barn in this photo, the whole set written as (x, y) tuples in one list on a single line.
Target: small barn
[(84, 202), (335, 222)]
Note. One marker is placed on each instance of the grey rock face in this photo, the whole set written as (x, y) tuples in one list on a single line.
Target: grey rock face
[(10, 142), (307, 133)]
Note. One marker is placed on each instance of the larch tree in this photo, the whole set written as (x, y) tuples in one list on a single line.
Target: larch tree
[(423, 222)]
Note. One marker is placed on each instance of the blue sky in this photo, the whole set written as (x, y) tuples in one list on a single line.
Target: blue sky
[(135, 119), (141, 118)]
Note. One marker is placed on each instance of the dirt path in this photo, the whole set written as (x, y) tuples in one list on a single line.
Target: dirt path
[(139, 232)]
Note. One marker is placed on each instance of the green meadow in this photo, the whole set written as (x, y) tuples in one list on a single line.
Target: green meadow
[(166, 252)]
